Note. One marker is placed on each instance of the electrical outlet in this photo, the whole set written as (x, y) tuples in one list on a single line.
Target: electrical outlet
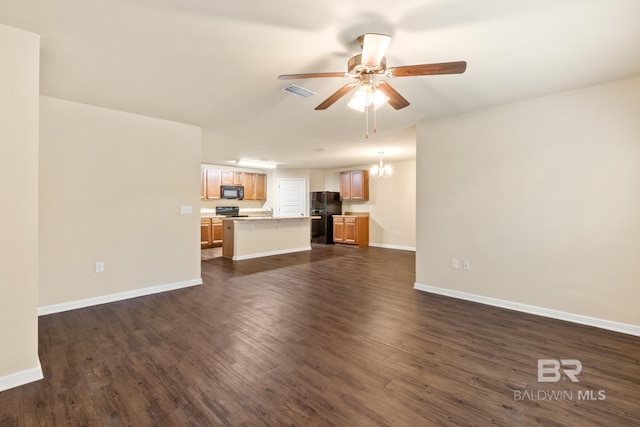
[(455, 263), (466, 264), (99, 266)]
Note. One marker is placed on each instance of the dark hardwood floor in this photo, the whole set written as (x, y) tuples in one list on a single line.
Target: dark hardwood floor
[(331, 337)]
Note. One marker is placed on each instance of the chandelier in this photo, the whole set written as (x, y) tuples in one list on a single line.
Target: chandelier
[(380, 170)]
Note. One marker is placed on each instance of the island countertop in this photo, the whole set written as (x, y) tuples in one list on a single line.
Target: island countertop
[(252, 237), (266, 218)]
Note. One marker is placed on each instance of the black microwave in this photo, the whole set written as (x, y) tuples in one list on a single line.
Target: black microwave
[(232, 192)]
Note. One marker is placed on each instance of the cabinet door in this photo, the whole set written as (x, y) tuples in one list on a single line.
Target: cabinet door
[(213, 184), (260, 184), (360, 185), (249, 186), (226, 177), (338, 229), (238, 178), (203, 184), (362, 231), (350, 230), (205, 233), (345, 185), (216, 233)]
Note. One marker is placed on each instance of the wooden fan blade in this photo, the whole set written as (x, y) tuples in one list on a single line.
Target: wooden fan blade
[(396, 100), (312, 75), (336, 95), (428, 69)]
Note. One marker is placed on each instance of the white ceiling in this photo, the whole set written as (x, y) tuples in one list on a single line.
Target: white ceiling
[(214, 63)]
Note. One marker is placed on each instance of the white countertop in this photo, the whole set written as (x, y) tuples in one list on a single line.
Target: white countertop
[(266, 218)]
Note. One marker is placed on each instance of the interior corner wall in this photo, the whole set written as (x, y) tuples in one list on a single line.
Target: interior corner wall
[(111, 188), (542, 196), (19, 86)]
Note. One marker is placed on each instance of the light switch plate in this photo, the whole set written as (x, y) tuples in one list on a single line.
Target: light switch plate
[(186, 209)]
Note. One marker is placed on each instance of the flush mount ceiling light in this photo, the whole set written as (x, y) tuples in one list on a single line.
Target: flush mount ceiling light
[(255, 164), (368, 65), (380, 170)]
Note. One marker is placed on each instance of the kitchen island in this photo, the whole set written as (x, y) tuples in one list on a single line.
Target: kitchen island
[(253, 237)]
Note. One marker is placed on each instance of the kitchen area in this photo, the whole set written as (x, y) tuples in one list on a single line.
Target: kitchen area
[(238, 220)]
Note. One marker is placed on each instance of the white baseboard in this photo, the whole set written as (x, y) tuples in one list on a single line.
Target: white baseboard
[(21, 378), (278, 252), (531, 309), (72, 305), (398, 247)]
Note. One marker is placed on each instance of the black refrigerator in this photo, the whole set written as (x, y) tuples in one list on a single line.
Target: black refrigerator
[(324, 204)]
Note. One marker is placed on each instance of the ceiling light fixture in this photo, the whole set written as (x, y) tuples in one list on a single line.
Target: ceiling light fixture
[(366, 96), (380, 170), (254, 164)]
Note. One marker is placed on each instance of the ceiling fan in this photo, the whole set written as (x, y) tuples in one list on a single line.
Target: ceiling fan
[(369, 65)]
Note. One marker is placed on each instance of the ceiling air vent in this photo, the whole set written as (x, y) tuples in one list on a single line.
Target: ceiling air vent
[(298, 91)]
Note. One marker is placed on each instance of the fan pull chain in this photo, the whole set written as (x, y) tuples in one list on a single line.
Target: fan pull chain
[(375, 123), (366, 121)]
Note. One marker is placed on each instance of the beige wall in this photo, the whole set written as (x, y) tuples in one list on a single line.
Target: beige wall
[(391, 205), (542, 197), (111, 187), (19, 74)]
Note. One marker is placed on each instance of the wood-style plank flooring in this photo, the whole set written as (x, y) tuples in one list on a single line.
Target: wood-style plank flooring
[(332, 337)]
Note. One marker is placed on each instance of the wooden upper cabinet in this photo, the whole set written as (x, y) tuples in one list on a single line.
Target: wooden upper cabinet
[(345, 185), (226, 177), (260, 184), (238, 178), (249, 186), (255, 186), (231, 178), (354, 185), (213, 184)]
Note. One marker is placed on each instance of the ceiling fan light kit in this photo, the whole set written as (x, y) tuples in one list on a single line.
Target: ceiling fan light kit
[(368, 65)]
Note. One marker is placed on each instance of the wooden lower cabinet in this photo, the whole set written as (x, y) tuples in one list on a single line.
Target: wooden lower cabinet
[(351, 230), (210, 233), (205, 233)]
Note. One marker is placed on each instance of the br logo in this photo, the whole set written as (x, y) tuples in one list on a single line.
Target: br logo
[(551, 370)]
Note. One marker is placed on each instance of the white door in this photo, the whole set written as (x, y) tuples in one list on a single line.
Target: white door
[(292, 196)]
